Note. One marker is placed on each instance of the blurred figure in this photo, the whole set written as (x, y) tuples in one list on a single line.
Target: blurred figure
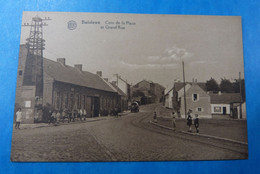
[(174, 121), (196, 123), (18, 118), (189, 119)]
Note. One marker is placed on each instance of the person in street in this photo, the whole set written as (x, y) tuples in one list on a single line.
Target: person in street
[(116, 111), (80, 114), (18, 118), (196, 122), (58, 116), (155, 117), (85, 114), (174, 121), (50, 116), (63, 115), (54, 117), (189, 119)]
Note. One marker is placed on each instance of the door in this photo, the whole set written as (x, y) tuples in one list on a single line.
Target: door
[(224, 110), (96, 105)]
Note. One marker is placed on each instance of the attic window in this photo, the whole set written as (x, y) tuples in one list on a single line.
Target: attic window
[(195, 97)]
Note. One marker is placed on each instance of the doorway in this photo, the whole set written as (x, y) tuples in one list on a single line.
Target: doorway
[(224, 110)]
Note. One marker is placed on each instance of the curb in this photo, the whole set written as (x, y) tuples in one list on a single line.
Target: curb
[(61, 124), (201, 135)]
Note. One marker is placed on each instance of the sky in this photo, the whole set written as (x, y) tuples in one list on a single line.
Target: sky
[(138, 46)]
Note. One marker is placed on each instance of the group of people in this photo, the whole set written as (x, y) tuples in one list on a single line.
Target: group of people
[(189, 121), (56, 116), (196, 121)]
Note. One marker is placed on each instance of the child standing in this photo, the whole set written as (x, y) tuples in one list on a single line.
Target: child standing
[(155, 117), (174, 121), (189, 120), (18, 118), (196, 123)]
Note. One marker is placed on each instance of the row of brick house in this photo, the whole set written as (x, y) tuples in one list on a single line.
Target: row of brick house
[(66, 88), (204, 103)]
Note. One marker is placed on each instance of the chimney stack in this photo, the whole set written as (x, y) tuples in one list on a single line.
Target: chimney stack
[(99, 73), (61, 61), (78, 66)]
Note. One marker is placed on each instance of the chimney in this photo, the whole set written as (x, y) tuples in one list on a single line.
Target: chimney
[(106, 79), (99, 73), (61, 61), (78, 66)]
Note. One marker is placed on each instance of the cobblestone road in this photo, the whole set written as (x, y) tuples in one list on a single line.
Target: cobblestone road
[(127, 138)]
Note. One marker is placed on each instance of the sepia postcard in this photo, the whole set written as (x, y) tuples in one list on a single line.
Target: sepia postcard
[(129, 87)]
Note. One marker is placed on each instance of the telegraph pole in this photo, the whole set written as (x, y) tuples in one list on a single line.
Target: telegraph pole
[(184, 83), (240, 90), (33, 75)]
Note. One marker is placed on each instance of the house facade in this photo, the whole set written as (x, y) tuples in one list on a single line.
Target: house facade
[(204, 103), (148, 92), (64, 87), (225, 104), (196, 99), (168, 99)]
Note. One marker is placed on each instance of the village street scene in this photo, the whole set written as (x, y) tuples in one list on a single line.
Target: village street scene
[(159, 108)]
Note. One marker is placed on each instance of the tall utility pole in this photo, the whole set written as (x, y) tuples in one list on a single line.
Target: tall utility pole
[(184, 83), (240, 90), (33, 75)]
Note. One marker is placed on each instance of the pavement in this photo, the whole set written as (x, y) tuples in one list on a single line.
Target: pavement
[(201, 135), (39, 125)]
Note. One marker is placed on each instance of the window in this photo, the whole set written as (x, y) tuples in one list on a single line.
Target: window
[(195, 97), (65, 101), (84, 101), (199, 109), (217, 109), (27, 104)]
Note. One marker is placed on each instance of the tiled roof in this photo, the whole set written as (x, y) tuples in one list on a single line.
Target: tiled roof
[(119, 91), (179, 85), (72, 75), (150, 82), (225, 98)]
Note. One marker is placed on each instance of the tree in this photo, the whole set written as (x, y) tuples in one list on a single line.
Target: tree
[(212, 85), (236, 87), (226, 86)]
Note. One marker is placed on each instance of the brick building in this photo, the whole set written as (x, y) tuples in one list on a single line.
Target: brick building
[(148, 92), (64, 87)]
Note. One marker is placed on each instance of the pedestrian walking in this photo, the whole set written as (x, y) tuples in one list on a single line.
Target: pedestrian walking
[(18, 118), (155, 117), (189, 119), (196, 122), (174, 121)]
